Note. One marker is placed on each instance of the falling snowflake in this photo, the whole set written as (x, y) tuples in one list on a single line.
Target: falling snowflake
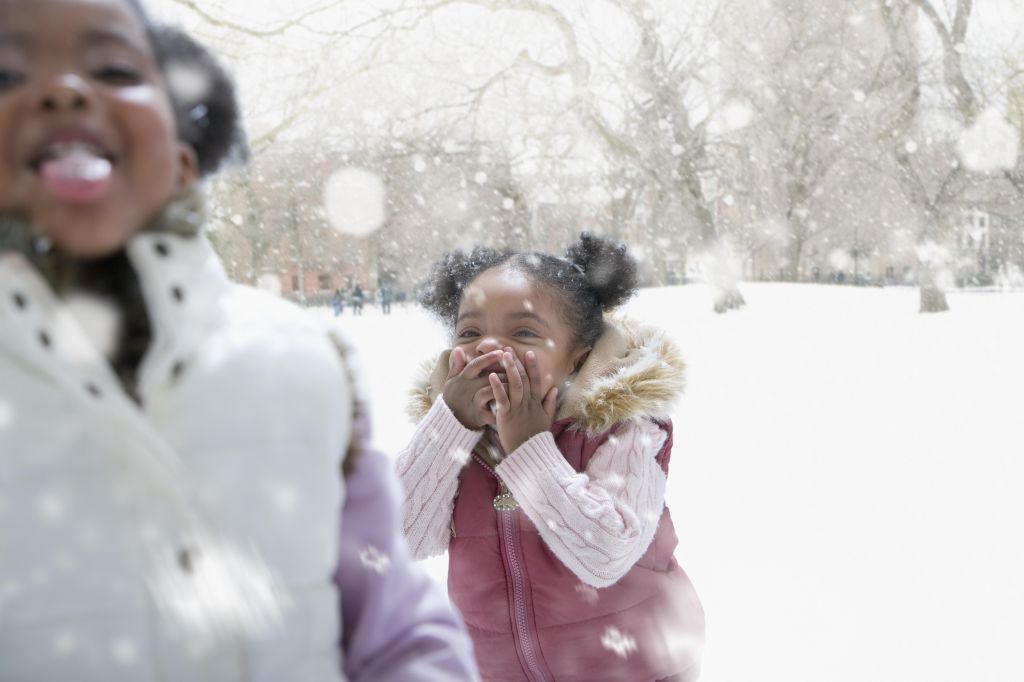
[(51, 506), (189, 83), (618, 642), (587, 593), (990, 145), (64, 643), (374, 559), (124, 651), (6, 415), (355, 200)]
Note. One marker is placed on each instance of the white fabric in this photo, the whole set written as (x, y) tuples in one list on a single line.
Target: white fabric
[(227, 480)]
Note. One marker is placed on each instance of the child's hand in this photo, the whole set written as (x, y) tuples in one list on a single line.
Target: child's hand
[(467, 390), (521, 412)]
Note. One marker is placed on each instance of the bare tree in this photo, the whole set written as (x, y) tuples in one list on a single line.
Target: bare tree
[(933, 179)]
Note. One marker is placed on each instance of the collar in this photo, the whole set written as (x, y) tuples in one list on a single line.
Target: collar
[(182, 285), (634, 370)]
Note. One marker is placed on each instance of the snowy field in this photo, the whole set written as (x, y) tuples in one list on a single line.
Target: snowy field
[(847, 479)]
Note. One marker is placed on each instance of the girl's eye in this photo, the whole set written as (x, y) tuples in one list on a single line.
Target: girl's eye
[(118, 75), (9, 78), (468, 334), (527, 333)]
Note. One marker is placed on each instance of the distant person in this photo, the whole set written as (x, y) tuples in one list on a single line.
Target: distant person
[(186, 489), (338, 302), (385, 299), (540, 463), (356, 298)]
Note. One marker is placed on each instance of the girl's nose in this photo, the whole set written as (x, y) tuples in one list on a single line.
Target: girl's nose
[(487, 344), (64, 93)]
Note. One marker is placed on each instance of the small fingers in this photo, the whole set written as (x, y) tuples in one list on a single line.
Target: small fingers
[(551, 402), (516, 389), (456, 361), (476, 366), (501, 398), (533, 373), (483, 401)]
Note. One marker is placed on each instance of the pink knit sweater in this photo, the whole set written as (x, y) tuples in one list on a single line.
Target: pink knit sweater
[(598, 523)]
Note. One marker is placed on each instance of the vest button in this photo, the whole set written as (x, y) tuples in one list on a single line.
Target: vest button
[(185, 560)]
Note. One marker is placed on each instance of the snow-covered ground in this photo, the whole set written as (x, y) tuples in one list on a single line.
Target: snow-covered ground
[(847, 479)]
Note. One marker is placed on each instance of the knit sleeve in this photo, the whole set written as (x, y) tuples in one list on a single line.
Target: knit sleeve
[(598, 523), (429, 469)]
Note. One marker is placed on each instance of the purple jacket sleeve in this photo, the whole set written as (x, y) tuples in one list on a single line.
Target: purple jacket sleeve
[(397, 624)]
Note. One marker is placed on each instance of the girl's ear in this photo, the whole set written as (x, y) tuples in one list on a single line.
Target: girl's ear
[(188, 165), (579, 357)]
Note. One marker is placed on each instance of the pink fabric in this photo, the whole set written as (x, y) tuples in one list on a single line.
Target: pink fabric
[(646, 626)]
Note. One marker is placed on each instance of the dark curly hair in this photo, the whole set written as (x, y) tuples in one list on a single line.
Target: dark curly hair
[(596, 275), (206, 117)]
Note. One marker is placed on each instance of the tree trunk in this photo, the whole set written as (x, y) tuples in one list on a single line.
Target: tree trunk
[(728, 299), (717, 268), (933, 298), (796, 250)]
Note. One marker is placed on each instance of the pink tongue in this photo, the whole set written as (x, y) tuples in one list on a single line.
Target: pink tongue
[(79, 177)]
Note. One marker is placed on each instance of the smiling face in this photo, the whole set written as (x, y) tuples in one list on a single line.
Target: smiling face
[(88, 148), (502, 308)]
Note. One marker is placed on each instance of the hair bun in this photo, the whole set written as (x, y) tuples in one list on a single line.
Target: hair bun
[(608, 267), (203, 95), (450, 275)]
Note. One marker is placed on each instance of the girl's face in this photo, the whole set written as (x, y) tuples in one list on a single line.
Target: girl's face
[(502, 308), (88, 148)]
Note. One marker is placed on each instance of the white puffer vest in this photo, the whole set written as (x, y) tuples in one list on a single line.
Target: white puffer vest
[(191, 539)]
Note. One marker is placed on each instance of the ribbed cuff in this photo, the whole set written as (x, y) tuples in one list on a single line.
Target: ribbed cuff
[(534, 461), (446, 432)]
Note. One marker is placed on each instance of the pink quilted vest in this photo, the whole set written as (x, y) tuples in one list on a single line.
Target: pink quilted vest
[(532, 619)]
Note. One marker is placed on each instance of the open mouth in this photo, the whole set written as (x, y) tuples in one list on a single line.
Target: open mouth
[(90, 157), (74, 167)]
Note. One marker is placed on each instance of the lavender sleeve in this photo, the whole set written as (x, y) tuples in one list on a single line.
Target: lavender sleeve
[(397, 624)]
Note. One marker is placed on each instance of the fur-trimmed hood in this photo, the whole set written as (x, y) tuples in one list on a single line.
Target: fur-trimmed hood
[(633, 371)]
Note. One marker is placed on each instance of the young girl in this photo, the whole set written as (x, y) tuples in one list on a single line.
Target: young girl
[(171, 445), (540, 464)]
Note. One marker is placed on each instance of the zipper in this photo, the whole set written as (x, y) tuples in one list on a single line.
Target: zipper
[(507, 532)]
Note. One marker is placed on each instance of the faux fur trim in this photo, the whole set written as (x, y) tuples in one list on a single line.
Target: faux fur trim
[(633, 371)]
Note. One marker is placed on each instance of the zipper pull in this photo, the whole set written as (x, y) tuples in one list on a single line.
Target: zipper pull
[(504, 501)]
